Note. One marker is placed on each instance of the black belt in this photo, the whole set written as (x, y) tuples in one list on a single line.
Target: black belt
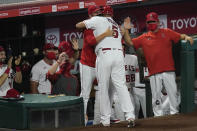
[(140, 87)]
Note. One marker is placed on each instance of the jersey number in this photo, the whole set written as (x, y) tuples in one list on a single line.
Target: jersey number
[(130, 78), (115, 31)]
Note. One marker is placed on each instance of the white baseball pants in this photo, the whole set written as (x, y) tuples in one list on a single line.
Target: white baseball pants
[(87, 75), (165, 104), (97, 114), (110, 66), (157, 81), (138, 97)]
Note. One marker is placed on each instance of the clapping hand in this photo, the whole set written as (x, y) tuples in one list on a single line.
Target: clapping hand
[(62, 58), (127, 23), (17, 60), (75, 44), (10, 62)]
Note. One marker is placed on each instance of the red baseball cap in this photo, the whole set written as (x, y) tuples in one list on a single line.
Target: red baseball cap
[(92, 9), (108, 10), (48, 46), (152, 17), (12, 93), (66, 47)]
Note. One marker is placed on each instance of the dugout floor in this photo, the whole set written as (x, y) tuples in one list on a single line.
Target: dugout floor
[(181, 122)]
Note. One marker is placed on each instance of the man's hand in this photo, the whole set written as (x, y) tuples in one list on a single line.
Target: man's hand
[(75, 44), (62, 58), (18, 60), (127, 23), (109, 32), (10, 62), (190, 39)]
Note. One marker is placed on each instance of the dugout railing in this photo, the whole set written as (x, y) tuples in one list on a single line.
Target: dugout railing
[(187, 76)]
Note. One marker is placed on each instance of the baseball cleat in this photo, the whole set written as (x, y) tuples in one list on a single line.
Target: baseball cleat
[(131, 123), (115, 121)]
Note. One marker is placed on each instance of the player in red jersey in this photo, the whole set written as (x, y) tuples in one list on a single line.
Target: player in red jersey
[(157, 48)]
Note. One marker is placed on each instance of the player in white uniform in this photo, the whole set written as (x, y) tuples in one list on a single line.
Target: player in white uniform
[(110, 66), (7, 75), (39, 83), (88, 58)]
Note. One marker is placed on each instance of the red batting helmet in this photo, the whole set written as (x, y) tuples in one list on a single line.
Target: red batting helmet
[(92, 9), (66, 47), (152, 17), (107, 10)]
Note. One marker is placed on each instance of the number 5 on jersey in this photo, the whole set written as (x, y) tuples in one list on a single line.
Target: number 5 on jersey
[(115, 31)]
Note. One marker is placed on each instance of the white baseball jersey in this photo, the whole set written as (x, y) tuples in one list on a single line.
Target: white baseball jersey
[(38, 73), (8, 82), (101, 24), (131, 65)]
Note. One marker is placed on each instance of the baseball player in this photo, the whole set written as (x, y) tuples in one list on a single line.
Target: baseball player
[(38, 82), (110, 65), (157, 47), (88, 58), (7, 75)]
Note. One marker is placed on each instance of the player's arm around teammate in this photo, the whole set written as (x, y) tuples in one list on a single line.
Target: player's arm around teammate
[(107, 33)]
